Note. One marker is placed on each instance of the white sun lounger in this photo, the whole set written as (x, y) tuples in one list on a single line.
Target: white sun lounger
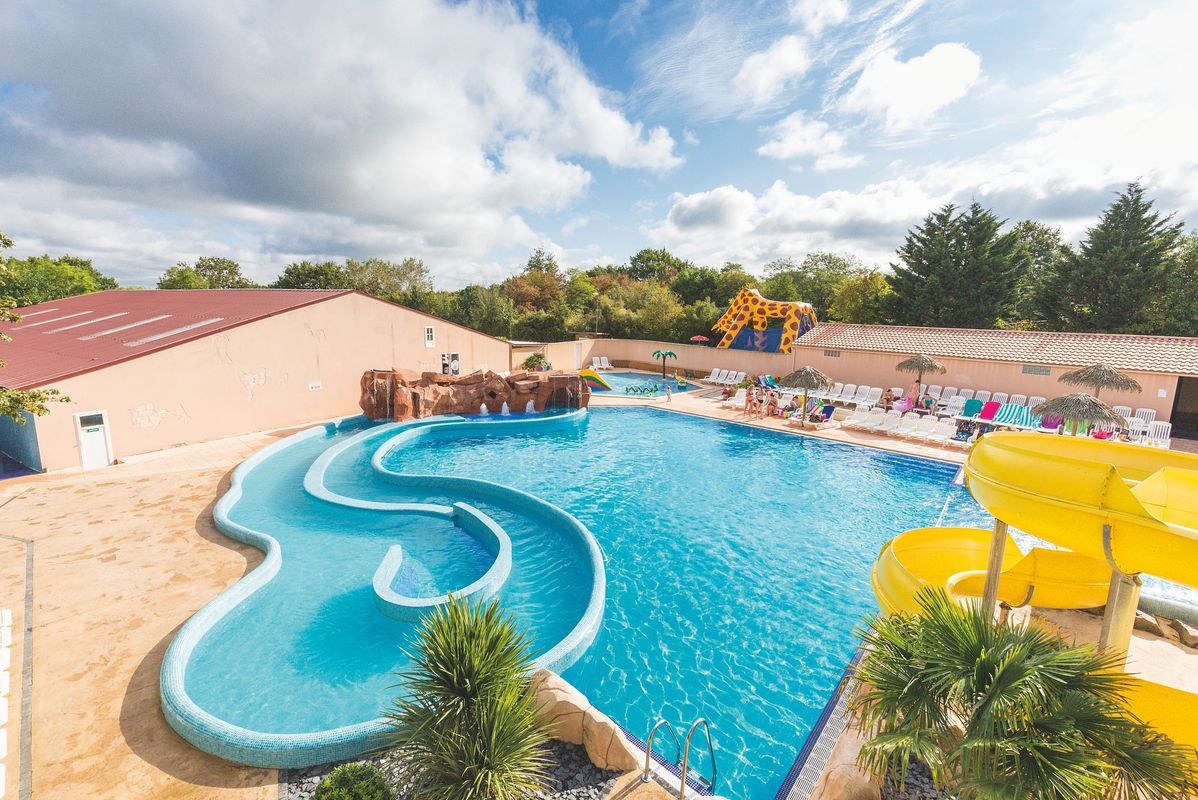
[(944, 430), (926, 425), (736, 400)]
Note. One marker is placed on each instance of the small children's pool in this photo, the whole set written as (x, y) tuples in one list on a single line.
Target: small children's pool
[(644, 384)]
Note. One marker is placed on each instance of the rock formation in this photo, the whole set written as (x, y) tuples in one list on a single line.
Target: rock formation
[(404, 394), (571, 718)]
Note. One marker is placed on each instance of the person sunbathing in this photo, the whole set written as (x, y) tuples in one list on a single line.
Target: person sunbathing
[(771, 405), (887, 399)]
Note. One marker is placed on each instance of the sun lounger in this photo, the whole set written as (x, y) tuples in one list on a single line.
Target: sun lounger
[(862, 393), (926, 425), (1018, 399), (873, 396), (948, 394), (953, 407), (907, 423), (983, 396), (971, 409), (1034, 401), (999, 397), (846, 393), (1123, 411), (966, 393), (604, 363), (737, 400), (944, 430), (715, 373), (824, 394), (935, 390), (862, 417), (596, 364), (1146, 414)]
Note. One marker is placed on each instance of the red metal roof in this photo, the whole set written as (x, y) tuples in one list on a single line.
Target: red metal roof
[(80, 334), (1168, 354)]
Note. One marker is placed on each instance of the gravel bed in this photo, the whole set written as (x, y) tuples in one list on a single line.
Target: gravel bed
[(572, 776)]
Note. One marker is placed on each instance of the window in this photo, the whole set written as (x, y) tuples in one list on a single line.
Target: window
[(89, 420), (832, 353), (429, 338), (1036, 369)]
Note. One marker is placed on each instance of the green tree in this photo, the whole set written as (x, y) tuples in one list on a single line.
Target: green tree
[(398, 281), (655, 265), (540, 326), (693, 284), (816, 280), (486, 309), (1006, 711), (1175, 311), (732, 279), (182, 276), (861, 298), (540, 287), (957, 270), (1112, 281), (40, 279), (212, 273), (307, 275), (15, 403), (696, 319), (1046, 250), (580, 290)]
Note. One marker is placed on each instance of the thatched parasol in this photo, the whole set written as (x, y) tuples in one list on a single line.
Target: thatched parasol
[(807, 378), (1101, 376), (1080, 408), (920, 364)]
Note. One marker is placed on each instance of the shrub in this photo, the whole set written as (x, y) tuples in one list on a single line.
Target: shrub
[(1005, 711), (468, 724), (534, 361), (354, 782)]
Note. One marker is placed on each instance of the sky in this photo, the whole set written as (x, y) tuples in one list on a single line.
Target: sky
[(141, 133)]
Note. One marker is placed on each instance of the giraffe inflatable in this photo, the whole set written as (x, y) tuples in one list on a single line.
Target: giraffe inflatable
[(750, 307)]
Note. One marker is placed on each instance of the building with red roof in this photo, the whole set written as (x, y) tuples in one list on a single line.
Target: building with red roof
[(150, 369)]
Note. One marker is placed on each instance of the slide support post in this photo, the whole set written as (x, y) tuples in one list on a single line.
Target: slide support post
[(1121, 603), (998, 544)]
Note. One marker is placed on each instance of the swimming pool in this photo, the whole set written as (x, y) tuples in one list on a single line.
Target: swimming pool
[(733, 567), (638, 382)]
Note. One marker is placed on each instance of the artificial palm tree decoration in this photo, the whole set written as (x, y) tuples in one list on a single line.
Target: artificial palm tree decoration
[(806, 378), (663, 355), (1080, 411), (1101, 376), (1005, 711), (468, 722), (920, 364)]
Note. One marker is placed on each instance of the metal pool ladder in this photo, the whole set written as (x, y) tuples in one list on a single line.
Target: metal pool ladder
[(684, 751)]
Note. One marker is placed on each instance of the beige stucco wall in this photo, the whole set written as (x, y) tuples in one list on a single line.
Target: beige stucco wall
[(256, 377), (877, 369)]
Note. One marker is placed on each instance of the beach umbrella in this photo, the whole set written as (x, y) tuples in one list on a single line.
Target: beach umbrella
[(700, 338), (1101, 376), (663, 355), (1080, 409), (807, 378), (920, 364)]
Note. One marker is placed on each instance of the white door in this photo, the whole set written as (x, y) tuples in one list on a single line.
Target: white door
[(95, 449)]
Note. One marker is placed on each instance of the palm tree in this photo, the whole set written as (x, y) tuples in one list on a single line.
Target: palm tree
[(468, 723), (806, 378), (920, 364), (998, 711), (663, 355), (1101, 376)]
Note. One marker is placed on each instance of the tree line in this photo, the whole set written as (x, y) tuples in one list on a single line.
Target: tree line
[(1134, 272)]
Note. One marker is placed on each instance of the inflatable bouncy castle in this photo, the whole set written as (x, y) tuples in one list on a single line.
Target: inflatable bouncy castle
[(750, 307)]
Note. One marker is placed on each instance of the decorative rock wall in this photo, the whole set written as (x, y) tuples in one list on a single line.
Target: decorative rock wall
[(405, 394), (571, 718)]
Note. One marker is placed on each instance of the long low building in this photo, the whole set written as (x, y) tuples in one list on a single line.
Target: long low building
[(146, 370)]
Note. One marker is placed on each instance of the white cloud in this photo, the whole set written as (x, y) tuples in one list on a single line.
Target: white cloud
[(816, 15), (907, 94), (420, 125), (689, 137), (627, 17), (797, 136), (764, 76)]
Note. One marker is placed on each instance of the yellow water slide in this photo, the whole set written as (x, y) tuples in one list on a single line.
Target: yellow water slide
[(1109, 504)]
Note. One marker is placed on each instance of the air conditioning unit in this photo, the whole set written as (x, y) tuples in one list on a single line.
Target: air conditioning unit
[(451, 364)]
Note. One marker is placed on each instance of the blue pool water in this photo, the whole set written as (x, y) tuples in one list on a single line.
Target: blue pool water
[(621, 382), (736, 560)]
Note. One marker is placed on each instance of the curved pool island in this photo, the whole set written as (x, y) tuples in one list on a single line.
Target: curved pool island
[(294, 664)]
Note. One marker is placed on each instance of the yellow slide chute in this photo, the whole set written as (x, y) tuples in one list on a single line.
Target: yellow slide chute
[(955, 559), (1117, 509)]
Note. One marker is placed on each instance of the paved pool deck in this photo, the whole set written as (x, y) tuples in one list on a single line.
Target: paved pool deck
[(121, 558)]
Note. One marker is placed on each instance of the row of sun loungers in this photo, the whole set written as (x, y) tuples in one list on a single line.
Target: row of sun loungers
[(600, 362), (915, 427), (724, 377)]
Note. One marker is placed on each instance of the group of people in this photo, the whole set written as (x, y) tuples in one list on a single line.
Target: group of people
[(761, 403), (925, 405)]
